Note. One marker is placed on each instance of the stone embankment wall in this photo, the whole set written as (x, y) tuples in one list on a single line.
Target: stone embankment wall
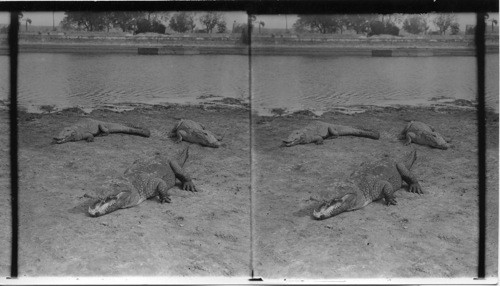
[(286, 44)]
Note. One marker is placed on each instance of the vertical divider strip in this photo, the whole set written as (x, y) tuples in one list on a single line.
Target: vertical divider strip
[(480, 57), (13, 56)]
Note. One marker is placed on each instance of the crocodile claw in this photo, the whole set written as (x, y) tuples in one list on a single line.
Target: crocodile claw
[(189, 186), (415, 188), (165, 200), (391, 202)]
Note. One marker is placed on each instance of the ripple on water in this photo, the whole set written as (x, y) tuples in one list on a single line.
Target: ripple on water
[(291, 82)]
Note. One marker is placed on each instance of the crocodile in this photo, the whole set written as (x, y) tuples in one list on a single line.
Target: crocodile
[(194, 132), (424, 134), (317, 131), (87, 128), (146, 178), (371, 182)]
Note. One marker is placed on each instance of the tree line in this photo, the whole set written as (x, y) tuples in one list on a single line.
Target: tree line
[(143, 22), (182, 22), (376, 24)]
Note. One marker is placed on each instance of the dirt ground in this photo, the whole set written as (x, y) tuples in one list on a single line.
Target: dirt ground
[(5, 202), (423, 236), (208, 233)]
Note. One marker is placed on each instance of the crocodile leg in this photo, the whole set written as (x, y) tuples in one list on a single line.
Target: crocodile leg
[(318, 140), (104, 130), (431, 127), (88, 137), (332, 133), (163, 191), (183, 176), (409, 137), (180, 134), (409, 178), (387, 192)]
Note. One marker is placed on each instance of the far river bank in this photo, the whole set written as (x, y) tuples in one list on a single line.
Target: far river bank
[(349, 45)]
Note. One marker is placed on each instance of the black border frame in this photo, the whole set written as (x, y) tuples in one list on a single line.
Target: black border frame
[(480, 7)]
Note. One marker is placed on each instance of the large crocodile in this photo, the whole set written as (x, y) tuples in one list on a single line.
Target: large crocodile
[(424, 134), (194, 132), (373, 181), (87, 128), (146, 178), (317, 131)]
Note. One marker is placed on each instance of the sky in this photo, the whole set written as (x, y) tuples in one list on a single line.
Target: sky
[(271, 21)]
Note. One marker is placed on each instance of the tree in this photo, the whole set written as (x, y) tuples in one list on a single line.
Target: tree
[(261, 24), (158, 27), (359, 23), (108, 21), (379, 27), (342, 21), (147, 26), (455, 28), (493, 21), (89, 21), (221, 27), (28, 21), (391, 19), (126, 21), (470, 29), (210, 20), (160, 17), (321, 23), (182, 22), (444, 21), (415, 24)]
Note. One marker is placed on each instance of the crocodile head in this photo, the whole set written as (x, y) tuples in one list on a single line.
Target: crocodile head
[(297, 137), (435, 140), (335, 206), (205, 138), (102, 206), (66, 135)]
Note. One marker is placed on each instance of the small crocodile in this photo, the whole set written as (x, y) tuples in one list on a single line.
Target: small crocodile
[(146, 178), (373, 181), (317, 131), (424, 134), (194, 132), (87, 128)]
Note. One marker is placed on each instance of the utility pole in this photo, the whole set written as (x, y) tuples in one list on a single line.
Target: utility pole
[(53, 22)]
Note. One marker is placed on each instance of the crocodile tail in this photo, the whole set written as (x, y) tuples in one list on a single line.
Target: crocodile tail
[(142, 131), (137, 130), (183, 156), (373, 134), (410, 158)]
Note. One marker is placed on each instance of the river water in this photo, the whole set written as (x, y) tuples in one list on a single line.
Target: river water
[(287, 82)]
